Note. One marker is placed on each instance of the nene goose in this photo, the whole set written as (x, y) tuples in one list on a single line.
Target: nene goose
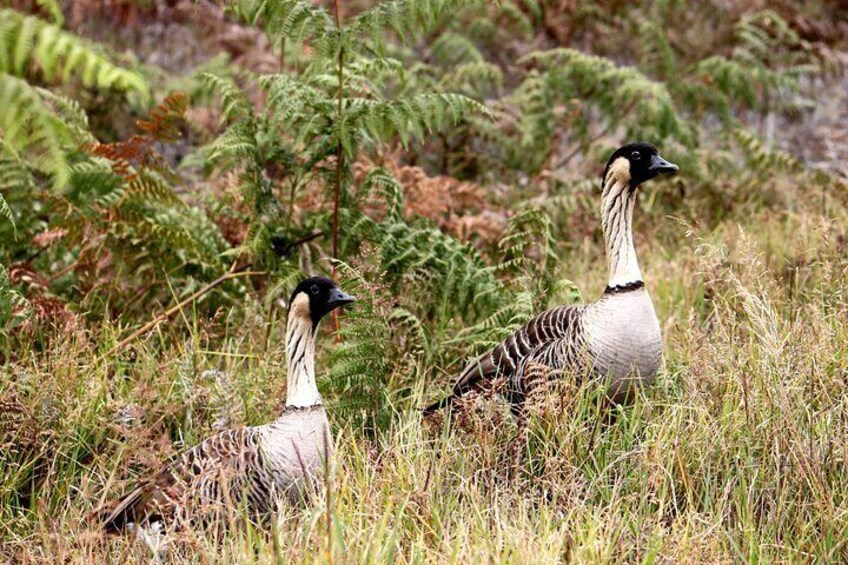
[(616, 338), (255, 467)]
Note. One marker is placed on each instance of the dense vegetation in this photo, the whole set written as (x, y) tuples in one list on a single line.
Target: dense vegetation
[(168, 171)]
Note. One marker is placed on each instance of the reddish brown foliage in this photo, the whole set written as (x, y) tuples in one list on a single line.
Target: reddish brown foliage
[(138, 152), (458, 207), (46, 310), (49, 237)]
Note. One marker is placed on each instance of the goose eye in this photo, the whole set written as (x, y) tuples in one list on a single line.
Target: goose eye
[(635, 156), (314, 289)]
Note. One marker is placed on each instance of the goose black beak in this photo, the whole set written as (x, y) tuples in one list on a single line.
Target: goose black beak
[(660, 166), (339, 298)]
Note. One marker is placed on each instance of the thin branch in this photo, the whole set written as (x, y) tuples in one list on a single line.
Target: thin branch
[(339, 154), (229, 275), (340, 147), (284, 251)]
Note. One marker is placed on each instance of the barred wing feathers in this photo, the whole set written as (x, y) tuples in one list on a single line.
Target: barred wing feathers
[(214, 472), (553, 338)]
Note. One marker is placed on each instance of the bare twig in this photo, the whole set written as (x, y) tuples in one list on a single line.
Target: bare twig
[(233, 273), (339, 155), (283, 252), (340, 147)]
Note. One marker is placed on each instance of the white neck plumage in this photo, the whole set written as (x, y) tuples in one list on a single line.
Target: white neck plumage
[(617, 203), (301, 391)]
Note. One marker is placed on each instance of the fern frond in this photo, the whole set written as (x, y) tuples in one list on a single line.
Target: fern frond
[(403, 321), (761, 157), (295, 20), (515, 310), (236, 105), (148, 187), (5, 211), (414, 116), (385, 184), (10, 300), (451, 49), (622, 93), (297, 108), (765, 69), (521, 19), (454, 273), (409, 19), (26, 41), (53, 8), (473, 78), (368, 76), (730, 77), (657, 54), (236, 142), (165, 119), (32, 130), (14, 176)]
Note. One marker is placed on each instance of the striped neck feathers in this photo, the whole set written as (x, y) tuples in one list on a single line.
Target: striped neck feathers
[(617, 203), (301, 389)]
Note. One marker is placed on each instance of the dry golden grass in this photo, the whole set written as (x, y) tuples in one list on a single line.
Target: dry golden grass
[(737, 454)]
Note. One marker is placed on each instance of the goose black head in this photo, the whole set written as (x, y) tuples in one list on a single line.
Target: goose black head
[(316, 297), (636, 163)]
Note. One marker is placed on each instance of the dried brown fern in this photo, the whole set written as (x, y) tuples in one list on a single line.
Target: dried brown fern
[(164, 125)]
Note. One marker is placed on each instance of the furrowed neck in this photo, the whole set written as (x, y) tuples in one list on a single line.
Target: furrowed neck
[(617, 204), (301, 389)]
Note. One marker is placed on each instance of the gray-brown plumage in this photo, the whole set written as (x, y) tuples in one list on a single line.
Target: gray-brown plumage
[(617, 337), (255, 468)]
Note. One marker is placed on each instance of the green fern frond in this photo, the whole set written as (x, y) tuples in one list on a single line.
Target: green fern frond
[(412, 117), (530, 227), (730, 77), (761, 157), (70, 112), (297, 108), (763, 33), (520, 19), (384, 183), (451, 49), (5, 211), (454, 273), (147, 187), (236, 105), (409, 19), (296, 20), (368, 76), (237, 142), (516, 309), (32, 130), (53, 8), (765, 69), (91, 177), (10, 300), (26, 41), (473, 78), (623, 93), (39, 125), (360, 366), (405, 322), (657, 55)]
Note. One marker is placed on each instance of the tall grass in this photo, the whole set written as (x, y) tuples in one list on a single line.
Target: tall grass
[(737, 454)]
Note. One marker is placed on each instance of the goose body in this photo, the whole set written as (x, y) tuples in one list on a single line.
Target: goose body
[(624, 340), (616, 338), (258, 467)]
